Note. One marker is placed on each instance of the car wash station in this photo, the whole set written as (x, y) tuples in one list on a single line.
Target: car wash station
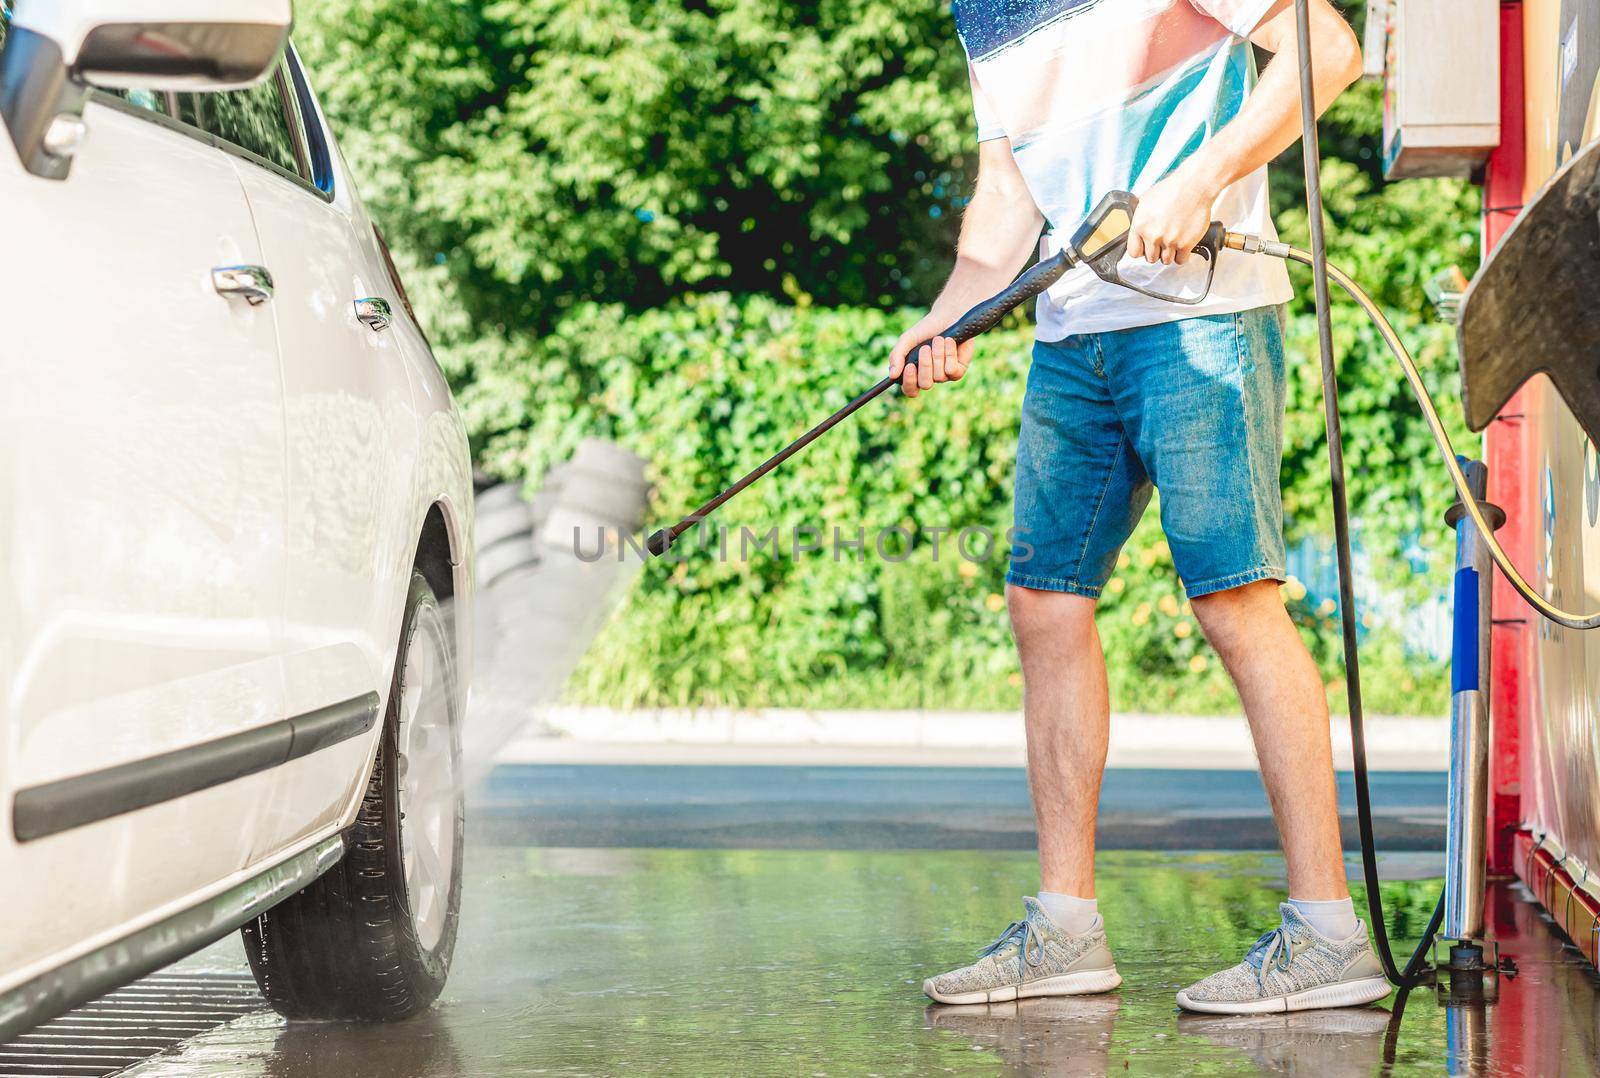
[(667, 908)]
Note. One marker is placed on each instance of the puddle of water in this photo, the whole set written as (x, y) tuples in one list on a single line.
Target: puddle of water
[(692, 962)]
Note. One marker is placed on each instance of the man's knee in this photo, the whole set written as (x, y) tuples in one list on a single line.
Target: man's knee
[(1048, 615), (1225, 613)]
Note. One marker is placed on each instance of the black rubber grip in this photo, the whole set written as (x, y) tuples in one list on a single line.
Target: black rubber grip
[(986, 315)]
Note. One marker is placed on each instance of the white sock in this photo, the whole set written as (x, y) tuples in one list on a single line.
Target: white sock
[(1071, 914), (1335, 920)]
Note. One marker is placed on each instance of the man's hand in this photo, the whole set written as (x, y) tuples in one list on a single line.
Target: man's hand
[(1174, 214), (941, 360), (1172, 217)]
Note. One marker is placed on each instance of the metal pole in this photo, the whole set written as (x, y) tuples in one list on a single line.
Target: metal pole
[(1467, 814)]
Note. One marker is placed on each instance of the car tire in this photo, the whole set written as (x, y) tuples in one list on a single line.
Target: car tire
[(372, 939)]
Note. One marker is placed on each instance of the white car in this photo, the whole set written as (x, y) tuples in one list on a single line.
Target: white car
[(235, 516)]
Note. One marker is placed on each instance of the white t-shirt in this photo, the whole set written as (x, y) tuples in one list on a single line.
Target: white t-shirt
[(1104, 95)]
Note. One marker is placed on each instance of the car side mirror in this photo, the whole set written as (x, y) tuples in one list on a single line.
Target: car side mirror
[(57, 49)]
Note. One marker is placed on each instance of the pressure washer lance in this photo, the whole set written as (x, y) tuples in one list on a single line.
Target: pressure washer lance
[(1100, 242)]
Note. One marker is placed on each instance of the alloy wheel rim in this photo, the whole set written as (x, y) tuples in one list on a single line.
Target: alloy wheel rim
[(429, 779)]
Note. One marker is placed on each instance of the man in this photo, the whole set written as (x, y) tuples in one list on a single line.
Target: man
[(1075, 98)]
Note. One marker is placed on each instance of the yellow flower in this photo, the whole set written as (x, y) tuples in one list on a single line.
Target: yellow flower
[(1169, 606), (1326, 607), (1182, 630), (1197, 663), (995, 603), (1116, 585), (1293, 590), (1147, 558), (1186, 608), (1014, 679), (1123, 561), (1141, 614), (968, 569), (1162, 549)]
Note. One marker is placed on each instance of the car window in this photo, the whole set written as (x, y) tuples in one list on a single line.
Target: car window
[(252, 119)]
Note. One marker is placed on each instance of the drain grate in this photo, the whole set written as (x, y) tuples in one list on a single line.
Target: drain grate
[(131, 1024)]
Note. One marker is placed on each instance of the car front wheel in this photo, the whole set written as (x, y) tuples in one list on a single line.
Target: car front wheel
[(372, 939)]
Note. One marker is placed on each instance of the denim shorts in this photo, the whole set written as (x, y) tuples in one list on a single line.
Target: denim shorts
[(1193, 408)]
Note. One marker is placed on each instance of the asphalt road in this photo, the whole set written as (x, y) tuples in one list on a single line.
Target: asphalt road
[(782, 807)]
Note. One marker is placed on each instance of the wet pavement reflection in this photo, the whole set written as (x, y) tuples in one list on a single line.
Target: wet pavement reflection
[(595, 961)]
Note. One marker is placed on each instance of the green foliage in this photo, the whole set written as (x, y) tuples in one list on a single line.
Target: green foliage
[(549, 152), (697, 227)]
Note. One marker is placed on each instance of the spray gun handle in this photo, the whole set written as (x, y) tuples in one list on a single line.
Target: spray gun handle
[(986, 315), (1103, 235), (1102, 239)]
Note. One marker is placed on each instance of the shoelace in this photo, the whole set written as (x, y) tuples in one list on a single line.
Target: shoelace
[(1032, 949), (1276, 947)]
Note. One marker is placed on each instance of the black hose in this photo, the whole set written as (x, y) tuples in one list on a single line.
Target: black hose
[(1312, 156)]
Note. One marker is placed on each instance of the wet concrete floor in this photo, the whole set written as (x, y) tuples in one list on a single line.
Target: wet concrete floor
[(805, 962)]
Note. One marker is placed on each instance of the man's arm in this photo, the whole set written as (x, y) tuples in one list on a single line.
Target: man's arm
[(1173, 215), (998, 232)]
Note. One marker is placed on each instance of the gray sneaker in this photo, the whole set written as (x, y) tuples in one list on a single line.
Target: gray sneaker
[(1032, 957), (1293, 968)]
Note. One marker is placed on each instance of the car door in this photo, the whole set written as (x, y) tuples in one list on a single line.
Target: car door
[(142, 516), (351, 433)]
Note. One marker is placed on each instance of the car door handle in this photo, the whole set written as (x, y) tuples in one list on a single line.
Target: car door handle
[(374, 311), (253, 283)]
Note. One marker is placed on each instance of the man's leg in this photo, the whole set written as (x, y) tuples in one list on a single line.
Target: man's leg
[(1060, 947), (1067, 714), (1288, 714), (1319, 956), (1080, 490), (1202, 400)]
